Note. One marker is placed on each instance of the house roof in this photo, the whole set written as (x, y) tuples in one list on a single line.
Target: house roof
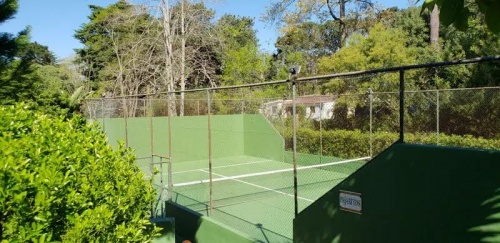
[(311, 99)]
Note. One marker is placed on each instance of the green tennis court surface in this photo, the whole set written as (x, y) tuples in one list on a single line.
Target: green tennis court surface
[(255, 195), (252, 174)]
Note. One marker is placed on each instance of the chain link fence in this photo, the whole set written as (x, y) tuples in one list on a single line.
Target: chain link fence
[(254, 156), (231, 154)]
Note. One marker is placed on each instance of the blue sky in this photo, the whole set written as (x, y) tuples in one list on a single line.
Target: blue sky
[(54, 21)]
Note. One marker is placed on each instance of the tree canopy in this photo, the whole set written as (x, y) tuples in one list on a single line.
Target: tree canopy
[(458, 12)]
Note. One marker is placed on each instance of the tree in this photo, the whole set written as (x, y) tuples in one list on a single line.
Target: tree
[(382, 47), (458, 12), (120, 52), (305, 44), (478, 41), (241, 61), (38, 54), (61, 88), (8, 42), (306, 10), (97, 52), (61, 181), (17, 58), (134, 49), (434, 26), (189, 47)]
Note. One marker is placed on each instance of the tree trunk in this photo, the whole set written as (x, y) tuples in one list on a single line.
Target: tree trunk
[(343, 29), (434, 26), (167, 32)]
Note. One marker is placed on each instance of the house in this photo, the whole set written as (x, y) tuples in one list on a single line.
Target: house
[(316, 107)]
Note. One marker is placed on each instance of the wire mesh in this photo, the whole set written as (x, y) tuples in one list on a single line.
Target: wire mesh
[(229, 153)]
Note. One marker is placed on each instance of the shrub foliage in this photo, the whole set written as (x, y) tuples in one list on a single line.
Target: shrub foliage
[(354, 143), (61, 181)]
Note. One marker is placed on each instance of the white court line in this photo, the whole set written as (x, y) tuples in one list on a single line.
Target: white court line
[(261, 187), (269, 172), (224, 166)]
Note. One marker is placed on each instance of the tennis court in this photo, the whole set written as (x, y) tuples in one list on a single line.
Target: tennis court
[(252, 184), (256, 195)]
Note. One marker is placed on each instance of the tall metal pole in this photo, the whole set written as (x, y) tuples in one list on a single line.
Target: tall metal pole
[(295, 184), (320, 133), (151, 143), (437, 115), (401, 105), (102, 115), (242, 101), (198, 108), (209, 154), (169, 165), (125, 114), (370, 92)]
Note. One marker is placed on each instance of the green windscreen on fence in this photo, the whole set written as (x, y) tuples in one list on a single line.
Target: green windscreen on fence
[(114, 129), (231, 135), (160, 136), (261, 139), (139, 134), (227, 135), (189, 138)]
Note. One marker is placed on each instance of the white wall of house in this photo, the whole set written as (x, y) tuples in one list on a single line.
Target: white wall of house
[(277, 109)]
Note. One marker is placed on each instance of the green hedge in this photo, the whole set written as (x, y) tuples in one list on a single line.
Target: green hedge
[(354, 143), (61, 181)]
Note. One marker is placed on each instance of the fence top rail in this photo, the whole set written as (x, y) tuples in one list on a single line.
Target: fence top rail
[(328, 76), (340, 95), (403, 68)]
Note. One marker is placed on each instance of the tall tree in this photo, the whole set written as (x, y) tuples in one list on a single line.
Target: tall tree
[(241, 61), (434, 26), (8, 9), (168, 30), (96, 52), (119, 52), (293, 12), (306, 43), (188, 43), (382, 47), (457, 12), (17, 58)]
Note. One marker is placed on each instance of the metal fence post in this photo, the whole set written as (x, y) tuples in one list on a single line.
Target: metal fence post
[(437, 116), (169, 165), (151, 139), (198, 107), (370, 92), (242, 101), (209, 153), (102, 114), (401, 105), (294, 122), (125, 115), (320, 133)]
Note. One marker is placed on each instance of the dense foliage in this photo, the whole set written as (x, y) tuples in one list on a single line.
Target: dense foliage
[(224, 51), (29, 72), (355, 144), (61, 181), (458, 12)]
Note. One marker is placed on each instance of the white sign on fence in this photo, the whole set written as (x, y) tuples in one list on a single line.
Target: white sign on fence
[(350, 201)]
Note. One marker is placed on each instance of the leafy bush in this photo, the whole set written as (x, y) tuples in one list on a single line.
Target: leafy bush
[(61, 181), (351, 144)]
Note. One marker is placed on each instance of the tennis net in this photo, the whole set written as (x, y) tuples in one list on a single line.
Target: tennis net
[(272, 187)]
